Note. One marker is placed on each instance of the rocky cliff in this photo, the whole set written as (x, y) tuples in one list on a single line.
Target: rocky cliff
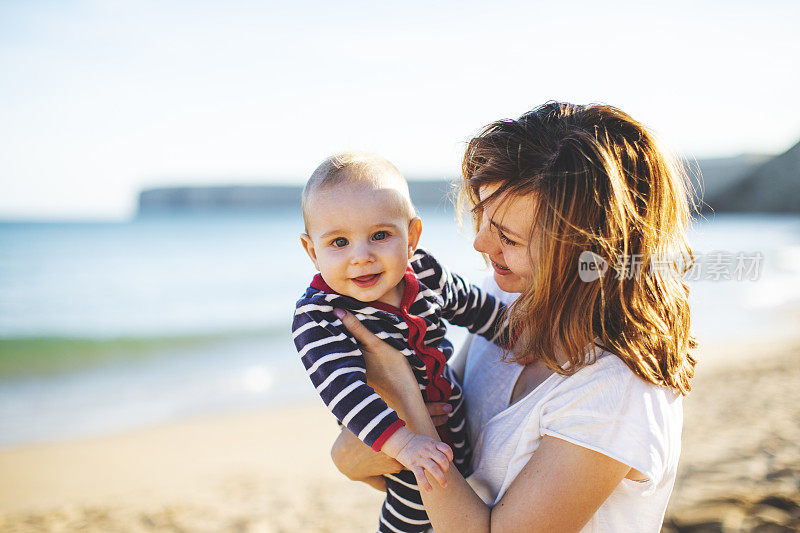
[(260, 197), (773, 186), (745, 183)]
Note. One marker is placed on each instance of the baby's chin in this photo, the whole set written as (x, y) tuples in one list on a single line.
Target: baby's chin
[(363, 296)]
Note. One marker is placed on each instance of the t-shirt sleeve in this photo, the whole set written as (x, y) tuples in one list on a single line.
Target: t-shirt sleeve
[(611, 411)]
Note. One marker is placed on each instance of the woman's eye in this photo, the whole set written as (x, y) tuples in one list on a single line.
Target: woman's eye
[(379, 236), (339, 242), (506, 240)]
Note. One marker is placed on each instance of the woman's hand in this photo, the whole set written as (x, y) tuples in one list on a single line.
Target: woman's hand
[(388, 370), (438, 412)]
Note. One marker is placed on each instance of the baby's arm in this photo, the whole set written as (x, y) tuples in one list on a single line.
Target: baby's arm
[(336, 367), (359, 462), (420, 454), (465, 304)]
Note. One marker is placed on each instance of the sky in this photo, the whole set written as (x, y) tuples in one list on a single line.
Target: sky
[(101, 98)]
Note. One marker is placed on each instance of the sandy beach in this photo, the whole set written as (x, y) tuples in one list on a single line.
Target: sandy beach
[(269, 471), (740, 464)]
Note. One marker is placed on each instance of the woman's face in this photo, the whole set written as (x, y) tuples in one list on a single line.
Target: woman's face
[(505, 238)]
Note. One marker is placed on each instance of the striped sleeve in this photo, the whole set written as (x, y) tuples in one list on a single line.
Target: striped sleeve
[(464, 304), (336, 367)]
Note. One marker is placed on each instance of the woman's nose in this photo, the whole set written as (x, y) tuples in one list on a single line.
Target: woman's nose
[(484, 240)]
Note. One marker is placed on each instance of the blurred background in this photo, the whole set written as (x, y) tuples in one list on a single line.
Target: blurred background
[(151, 160)]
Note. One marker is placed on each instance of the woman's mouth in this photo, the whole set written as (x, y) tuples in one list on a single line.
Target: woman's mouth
[(366, 281), (500, 269)]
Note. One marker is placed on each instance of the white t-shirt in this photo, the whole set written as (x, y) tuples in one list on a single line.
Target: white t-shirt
[(603, 407)]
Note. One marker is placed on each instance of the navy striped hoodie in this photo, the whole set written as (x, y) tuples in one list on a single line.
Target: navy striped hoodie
[(335, 363)]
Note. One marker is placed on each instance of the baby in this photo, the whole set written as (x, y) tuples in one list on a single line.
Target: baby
[(362, 234)]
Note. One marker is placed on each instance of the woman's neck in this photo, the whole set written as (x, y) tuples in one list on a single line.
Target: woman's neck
[(560, 354)]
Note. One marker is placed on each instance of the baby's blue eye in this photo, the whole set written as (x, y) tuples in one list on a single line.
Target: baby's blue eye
[(379, 236), (339, 242)]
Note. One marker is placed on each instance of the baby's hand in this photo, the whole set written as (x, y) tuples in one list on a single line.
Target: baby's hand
[(419, 453)]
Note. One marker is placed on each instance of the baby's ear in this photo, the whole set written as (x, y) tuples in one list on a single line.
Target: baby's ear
[(308, 246), (414, 231)]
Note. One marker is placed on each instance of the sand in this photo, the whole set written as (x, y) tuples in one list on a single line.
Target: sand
[(249, 472), (740, 464), (269, 471)]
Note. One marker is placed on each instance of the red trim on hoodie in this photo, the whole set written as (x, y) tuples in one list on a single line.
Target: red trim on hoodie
[(388, 432), (438, 389), (319, 284)]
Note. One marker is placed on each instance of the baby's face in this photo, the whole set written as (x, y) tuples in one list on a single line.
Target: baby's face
[(360, 239)]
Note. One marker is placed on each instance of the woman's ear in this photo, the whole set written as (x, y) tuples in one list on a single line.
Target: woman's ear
[(414, 231), (308, 246)]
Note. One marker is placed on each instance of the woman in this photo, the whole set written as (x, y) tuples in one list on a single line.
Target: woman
[(578, 427)]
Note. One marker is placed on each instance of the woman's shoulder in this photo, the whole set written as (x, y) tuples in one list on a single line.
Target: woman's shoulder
[(607, 391), (608, 369), (604, 406), (607, 386)]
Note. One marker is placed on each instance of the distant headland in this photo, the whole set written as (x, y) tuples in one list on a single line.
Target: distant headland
[(744, 183), (426, 192)]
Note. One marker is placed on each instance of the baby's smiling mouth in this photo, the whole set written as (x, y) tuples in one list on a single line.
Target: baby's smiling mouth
[(366, 281)]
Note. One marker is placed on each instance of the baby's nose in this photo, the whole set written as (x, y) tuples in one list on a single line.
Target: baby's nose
[(361, 254)]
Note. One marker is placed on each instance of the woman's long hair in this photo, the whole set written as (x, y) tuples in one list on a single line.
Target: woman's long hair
[(602, 185)]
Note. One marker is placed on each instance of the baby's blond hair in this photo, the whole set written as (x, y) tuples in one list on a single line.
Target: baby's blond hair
[(364, 168)]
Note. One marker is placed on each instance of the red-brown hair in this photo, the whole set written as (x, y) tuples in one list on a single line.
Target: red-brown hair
[(601, 184)]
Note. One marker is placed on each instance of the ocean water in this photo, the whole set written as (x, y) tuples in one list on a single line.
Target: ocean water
[(106, 326)]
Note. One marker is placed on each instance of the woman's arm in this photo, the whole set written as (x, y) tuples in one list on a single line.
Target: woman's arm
[(560, 487), (359, 462)]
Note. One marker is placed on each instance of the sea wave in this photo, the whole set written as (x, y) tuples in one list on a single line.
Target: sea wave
[(115, 384), (44, 355)]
